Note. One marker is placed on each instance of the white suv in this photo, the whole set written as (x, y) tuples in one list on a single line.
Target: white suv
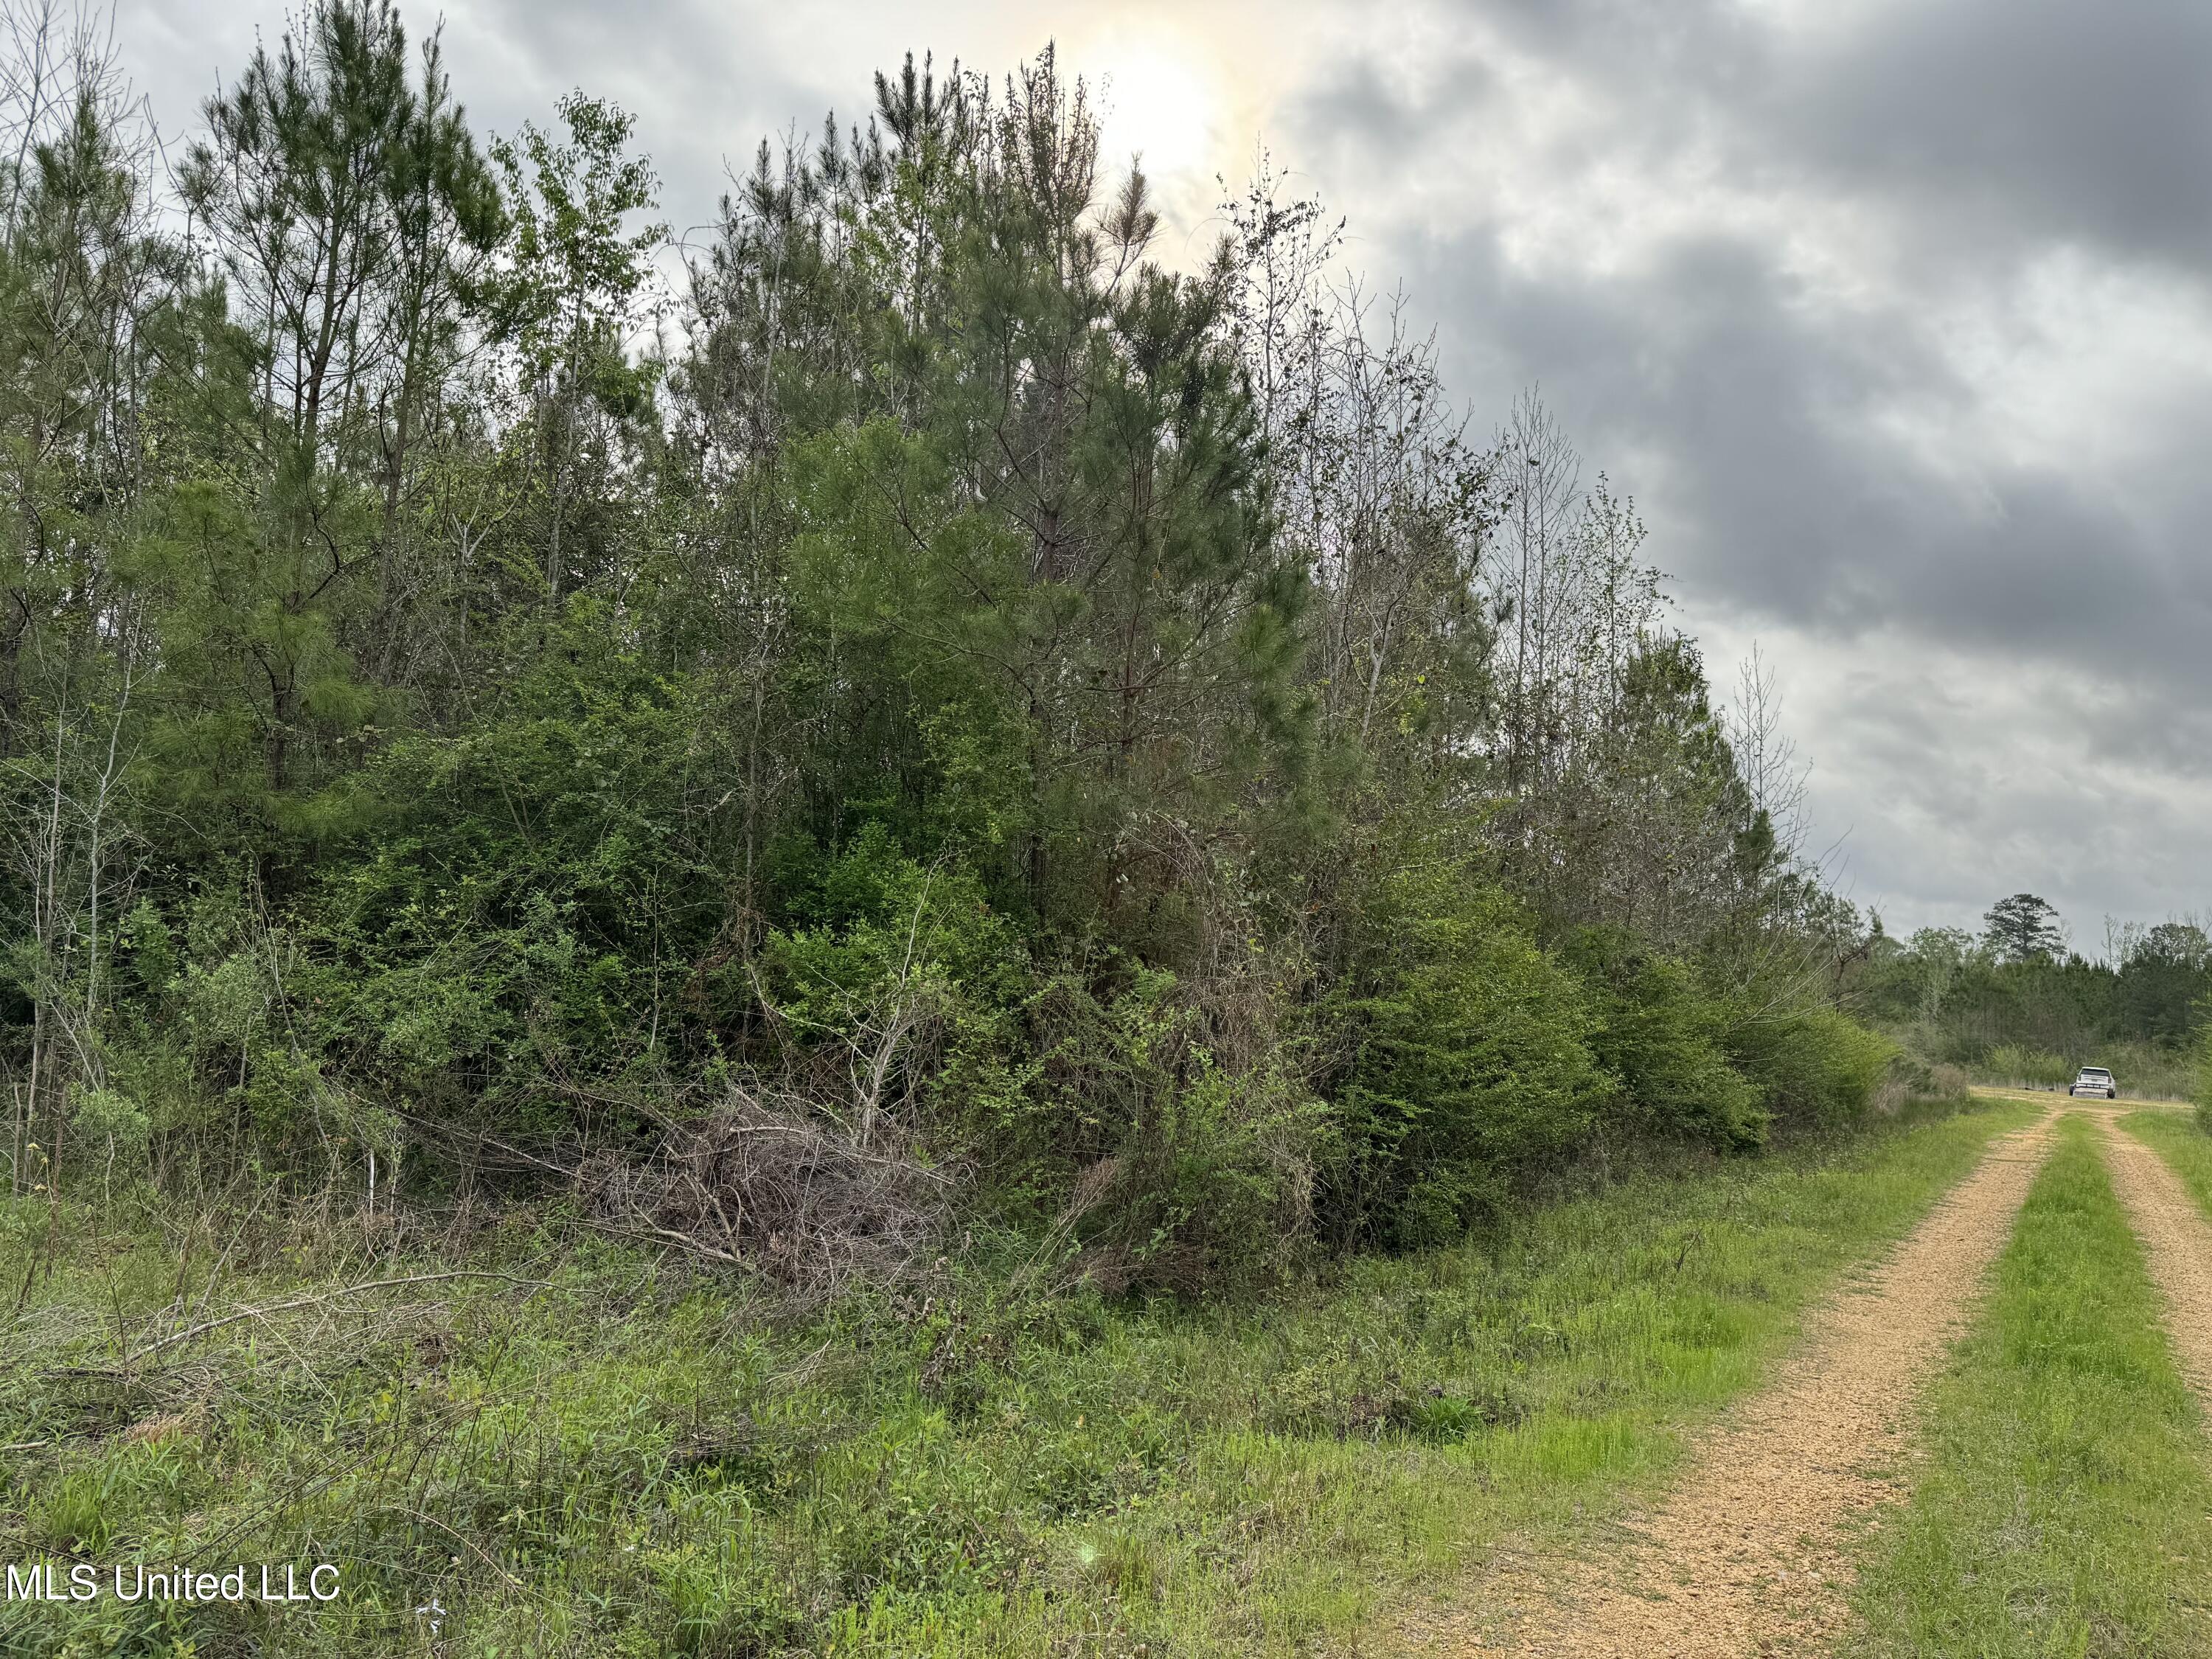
[(2097, 1083)]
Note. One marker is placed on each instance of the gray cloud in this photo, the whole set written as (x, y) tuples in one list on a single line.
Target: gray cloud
[(1851, 362), (2082, 119)]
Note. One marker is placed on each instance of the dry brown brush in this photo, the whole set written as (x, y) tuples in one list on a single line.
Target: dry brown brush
[(768, 1184)]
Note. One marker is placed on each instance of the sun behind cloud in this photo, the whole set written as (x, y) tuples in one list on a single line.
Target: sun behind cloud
[(1158, 102)]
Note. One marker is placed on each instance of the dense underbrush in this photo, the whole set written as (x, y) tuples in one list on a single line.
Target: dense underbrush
[(921, 1058)]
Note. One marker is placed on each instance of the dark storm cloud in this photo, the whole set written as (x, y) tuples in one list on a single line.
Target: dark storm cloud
[(1819, 461), (2071, 121), (1387, 116), (1800, 507)]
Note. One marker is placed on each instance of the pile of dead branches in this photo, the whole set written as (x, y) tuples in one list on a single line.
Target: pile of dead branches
[(777, 1187)]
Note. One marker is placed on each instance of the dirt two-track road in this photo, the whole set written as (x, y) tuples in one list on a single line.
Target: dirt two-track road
[(1750, 1554)]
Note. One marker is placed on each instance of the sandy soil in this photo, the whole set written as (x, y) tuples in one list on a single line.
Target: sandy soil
[(2177, 1242), (1749, 1554)]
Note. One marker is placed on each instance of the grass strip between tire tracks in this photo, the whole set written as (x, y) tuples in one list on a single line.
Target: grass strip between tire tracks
[(2063, 1507)]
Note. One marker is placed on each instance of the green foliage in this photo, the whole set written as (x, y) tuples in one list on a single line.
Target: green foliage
[(1468, 1055), (2024, 928), (2163, 981), (349, 210), (576, 267), (958, 688), (1666, 1036), (1810, 1064), (1212, 1163), (2026, 1016), (533, 894), (2204, 1092), (114, 1118), (2013, 1063)]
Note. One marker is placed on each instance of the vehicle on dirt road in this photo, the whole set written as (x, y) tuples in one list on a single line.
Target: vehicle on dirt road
[(2096, 1083)]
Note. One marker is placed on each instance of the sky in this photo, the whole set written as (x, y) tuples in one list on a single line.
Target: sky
[(1894, 316)]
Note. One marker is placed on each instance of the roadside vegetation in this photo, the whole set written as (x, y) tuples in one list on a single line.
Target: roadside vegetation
[(2066, 1504), (626, 1455), (973, 728), (952, 899)]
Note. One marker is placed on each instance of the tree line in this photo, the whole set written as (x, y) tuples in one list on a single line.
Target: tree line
[(910, 703), (2019, 1003)]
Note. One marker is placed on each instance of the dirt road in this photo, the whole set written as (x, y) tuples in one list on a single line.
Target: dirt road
[(2177, 1242), (1749, 1554)]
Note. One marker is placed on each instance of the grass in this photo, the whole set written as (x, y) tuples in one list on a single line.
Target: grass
[(2064, 1509), (631, 1460)]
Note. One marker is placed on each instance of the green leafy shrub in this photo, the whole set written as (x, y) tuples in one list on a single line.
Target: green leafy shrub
[(1185, 1168), (1812, 1065), (1661, 1033), (2204, 1078), (1468, 1056), (891, 956)]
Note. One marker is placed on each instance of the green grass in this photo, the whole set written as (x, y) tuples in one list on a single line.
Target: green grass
[(653, 1463), (2064, 1509)]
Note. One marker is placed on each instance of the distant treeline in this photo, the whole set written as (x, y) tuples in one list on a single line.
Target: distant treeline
[(929, 712), (2017, 1003)]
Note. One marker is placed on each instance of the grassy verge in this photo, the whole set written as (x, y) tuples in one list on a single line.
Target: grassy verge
[(2064, 1508), (633, 1460)]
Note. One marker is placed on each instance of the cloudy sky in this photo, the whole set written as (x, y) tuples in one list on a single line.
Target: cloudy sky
[(1894, 315)]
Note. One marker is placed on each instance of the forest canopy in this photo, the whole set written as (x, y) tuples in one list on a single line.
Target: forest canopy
[(910, 702)]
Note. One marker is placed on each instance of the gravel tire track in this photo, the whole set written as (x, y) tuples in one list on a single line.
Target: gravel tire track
[(1749, 1554), (2177, 1242)]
